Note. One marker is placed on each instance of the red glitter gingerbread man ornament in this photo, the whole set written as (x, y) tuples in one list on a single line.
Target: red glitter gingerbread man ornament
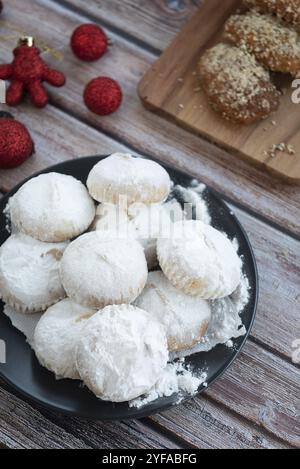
[(27, 72)]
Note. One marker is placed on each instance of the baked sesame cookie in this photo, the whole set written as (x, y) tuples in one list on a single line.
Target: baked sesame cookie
[(288, 10), (274, 44), (237, 87)]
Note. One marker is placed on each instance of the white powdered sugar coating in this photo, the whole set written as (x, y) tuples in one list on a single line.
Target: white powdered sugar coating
[(23, 323), (52, 208), (98, 269), (122, 353), (185, 318), (114, 218), (175, 379), (150, 222), (226, 322), (194, 196), (145, 223), (138, 179), (200, 260), (29, 273), (56, 337)]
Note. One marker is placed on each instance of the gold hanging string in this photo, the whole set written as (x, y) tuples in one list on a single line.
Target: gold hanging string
[(45, 48)]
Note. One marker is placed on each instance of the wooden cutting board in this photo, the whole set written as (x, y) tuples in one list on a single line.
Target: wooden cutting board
[(171, 88)]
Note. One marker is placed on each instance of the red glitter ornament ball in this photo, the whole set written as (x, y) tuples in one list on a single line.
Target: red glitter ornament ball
[(89, 42), (16, 144), (103, 96)]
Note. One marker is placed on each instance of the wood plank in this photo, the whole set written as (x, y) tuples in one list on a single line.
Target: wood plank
[(24, 426), (145, 133), (207, 425), (278, 258), (140, 18), (56, 141), (264, 389), (260, 387), (168, 88), (57, 138), (271, 327)]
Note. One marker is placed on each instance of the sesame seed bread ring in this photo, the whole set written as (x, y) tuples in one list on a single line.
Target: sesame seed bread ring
[(275, 45), (29, 273), (122, 175), (288, 10), (57, 335), (199, 260), (185, 318), (122, 353), (237, 87), (98, 269), (52, 208)]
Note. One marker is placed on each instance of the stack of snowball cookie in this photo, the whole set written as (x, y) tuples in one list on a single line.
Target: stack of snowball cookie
[(107, 320)]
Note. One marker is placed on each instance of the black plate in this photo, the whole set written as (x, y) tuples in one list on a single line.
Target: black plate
[(23, 372)]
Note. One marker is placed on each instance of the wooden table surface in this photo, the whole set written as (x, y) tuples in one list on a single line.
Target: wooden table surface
[(256, 403)]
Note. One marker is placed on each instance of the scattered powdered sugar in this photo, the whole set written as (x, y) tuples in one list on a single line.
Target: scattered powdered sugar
[(193, 196), (177, 378), (226, 324)]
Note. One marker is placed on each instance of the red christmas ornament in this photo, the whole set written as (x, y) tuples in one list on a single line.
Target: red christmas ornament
[(27, 72), (103, 96), (89, 42), (16, 144)]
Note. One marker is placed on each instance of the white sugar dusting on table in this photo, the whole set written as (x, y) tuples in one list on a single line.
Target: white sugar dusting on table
[(177, 378)]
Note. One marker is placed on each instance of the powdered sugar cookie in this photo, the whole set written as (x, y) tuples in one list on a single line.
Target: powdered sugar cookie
[(149, 222), (99, 269), (145, 223), (110, 217), (200, 260), (185, 318), (57, 335), (29, 273), (52, 208), (122, 175), (122, 353)]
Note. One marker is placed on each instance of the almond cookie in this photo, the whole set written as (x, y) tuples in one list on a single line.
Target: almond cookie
[(52, 208), (275, 45), (98, 269), (199, 260), (185, 318), (56, 337), (29, 273), (124, 176), (288, 10), (237, 87), (122, 353)]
